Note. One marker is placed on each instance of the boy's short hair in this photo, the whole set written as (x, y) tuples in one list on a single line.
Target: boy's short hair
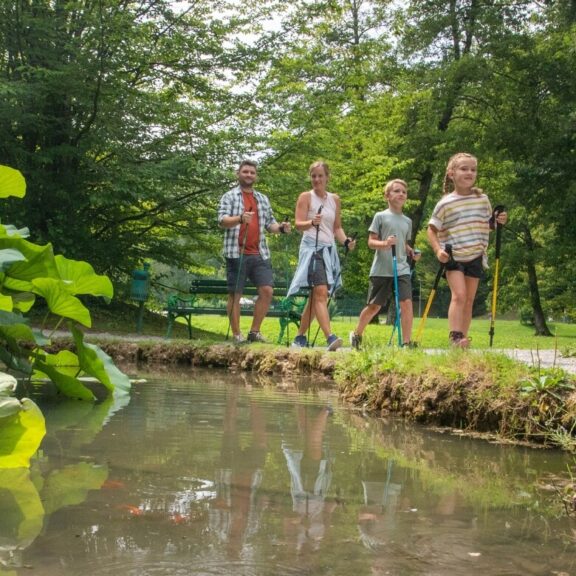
[(389, 185)]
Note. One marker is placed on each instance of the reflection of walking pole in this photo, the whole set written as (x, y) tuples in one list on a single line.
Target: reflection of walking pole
[(397, 324), (333, 289), (448, 250), (495, 214), (237, 278), (311, 278)]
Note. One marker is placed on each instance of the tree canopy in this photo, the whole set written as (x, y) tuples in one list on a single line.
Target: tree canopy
[(128, 119)]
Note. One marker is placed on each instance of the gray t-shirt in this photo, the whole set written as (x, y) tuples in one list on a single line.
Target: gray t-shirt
[(385, 224)]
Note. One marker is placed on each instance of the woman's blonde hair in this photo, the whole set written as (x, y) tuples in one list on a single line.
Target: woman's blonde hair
[(389, 185), (448, 185), (319, 164)]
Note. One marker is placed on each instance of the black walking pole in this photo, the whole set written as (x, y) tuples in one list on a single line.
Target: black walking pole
[(311, 278), (238, 272), (333, 289), (287, 219), (398, 316), (448, 250), (495, 214)]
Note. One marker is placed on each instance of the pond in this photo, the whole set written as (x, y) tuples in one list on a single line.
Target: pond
[(210, 473)]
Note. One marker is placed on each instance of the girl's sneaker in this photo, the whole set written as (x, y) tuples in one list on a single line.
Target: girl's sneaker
[(333, 342), (458, 340)]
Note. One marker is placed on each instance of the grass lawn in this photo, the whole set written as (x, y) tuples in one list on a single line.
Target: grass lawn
[(121, 319), (507, 333)]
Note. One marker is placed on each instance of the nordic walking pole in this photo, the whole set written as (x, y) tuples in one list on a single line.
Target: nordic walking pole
[(397, 323), (495, 213), (333, 290), (237, 279), (287, 219), (311, 299), (448, 250)]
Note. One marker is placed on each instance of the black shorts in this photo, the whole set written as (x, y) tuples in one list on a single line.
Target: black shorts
[(474, 268), (317, 270), (254, 267), (381, 289)]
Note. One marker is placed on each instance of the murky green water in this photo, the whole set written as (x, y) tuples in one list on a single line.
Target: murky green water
[(206, 474)]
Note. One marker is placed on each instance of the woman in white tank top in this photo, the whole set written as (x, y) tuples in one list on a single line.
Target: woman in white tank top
[(318, 217)]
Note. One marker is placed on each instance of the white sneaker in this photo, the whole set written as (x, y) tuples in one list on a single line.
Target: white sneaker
[(238, 338)]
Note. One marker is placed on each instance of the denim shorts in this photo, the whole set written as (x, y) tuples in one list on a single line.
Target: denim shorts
[(254, 268)]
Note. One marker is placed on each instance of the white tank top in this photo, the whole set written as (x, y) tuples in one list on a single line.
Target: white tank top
[(326, 231)]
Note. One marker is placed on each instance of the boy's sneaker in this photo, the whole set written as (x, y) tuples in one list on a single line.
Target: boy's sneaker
[(333, 342), (238, 339), (410, 344), (300, 342), (355, 340), (256, 337)]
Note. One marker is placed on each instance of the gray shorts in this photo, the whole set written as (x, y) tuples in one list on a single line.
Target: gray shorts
[(254, 268), (381, 289)]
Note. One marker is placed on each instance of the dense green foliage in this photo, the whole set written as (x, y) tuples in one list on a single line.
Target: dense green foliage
[(128, 118)]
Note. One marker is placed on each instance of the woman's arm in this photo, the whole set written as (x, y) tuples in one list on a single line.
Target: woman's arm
[(301, 220)]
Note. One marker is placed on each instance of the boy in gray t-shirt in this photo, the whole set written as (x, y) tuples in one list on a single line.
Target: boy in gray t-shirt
[(389, 228)]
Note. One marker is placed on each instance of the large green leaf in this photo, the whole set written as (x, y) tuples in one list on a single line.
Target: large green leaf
[(9, 230), (20, 436), (97, 363), (9, 406), (39, 263), (61, 302), (7, 384), (6, 303), (17, 332), (12, 183), (80, 278), (67, 385), (8, 256)]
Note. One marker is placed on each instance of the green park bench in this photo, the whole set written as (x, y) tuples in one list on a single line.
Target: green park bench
[(208, 296)]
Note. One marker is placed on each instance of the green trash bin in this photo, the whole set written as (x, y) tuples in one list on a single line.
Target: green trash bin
[(139, 291)]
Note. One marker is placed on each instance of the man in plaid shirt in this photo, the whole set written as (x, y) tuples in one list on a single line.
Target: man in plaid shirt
[(246, 215)]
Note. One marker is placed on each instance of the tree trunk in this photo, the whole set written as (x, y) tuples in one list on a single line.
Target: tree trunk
[(539, 317)]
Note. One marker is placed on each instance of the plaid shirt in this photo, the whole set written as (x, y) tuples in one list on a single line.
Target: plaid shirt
[(232, 204)]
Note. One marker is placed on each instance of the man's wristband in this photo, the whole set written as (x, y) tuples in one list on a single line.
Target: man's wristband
[(281, 229), (241, 218)]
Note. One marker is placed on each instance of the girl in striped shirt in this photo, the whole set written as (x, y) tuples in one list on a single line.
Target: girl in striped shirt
[(462, 218)]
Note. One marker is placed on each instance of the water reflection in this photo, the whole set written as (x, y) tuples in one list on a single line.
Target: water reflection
[(205, 473)]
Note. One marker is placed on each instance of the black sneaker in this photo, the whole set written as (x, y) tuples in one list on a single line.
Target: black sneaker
[(355, 340), (256, 337)]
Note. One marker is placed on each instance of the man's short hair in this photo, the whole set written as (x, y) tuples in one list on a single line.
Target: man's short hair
[(248, 163)]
